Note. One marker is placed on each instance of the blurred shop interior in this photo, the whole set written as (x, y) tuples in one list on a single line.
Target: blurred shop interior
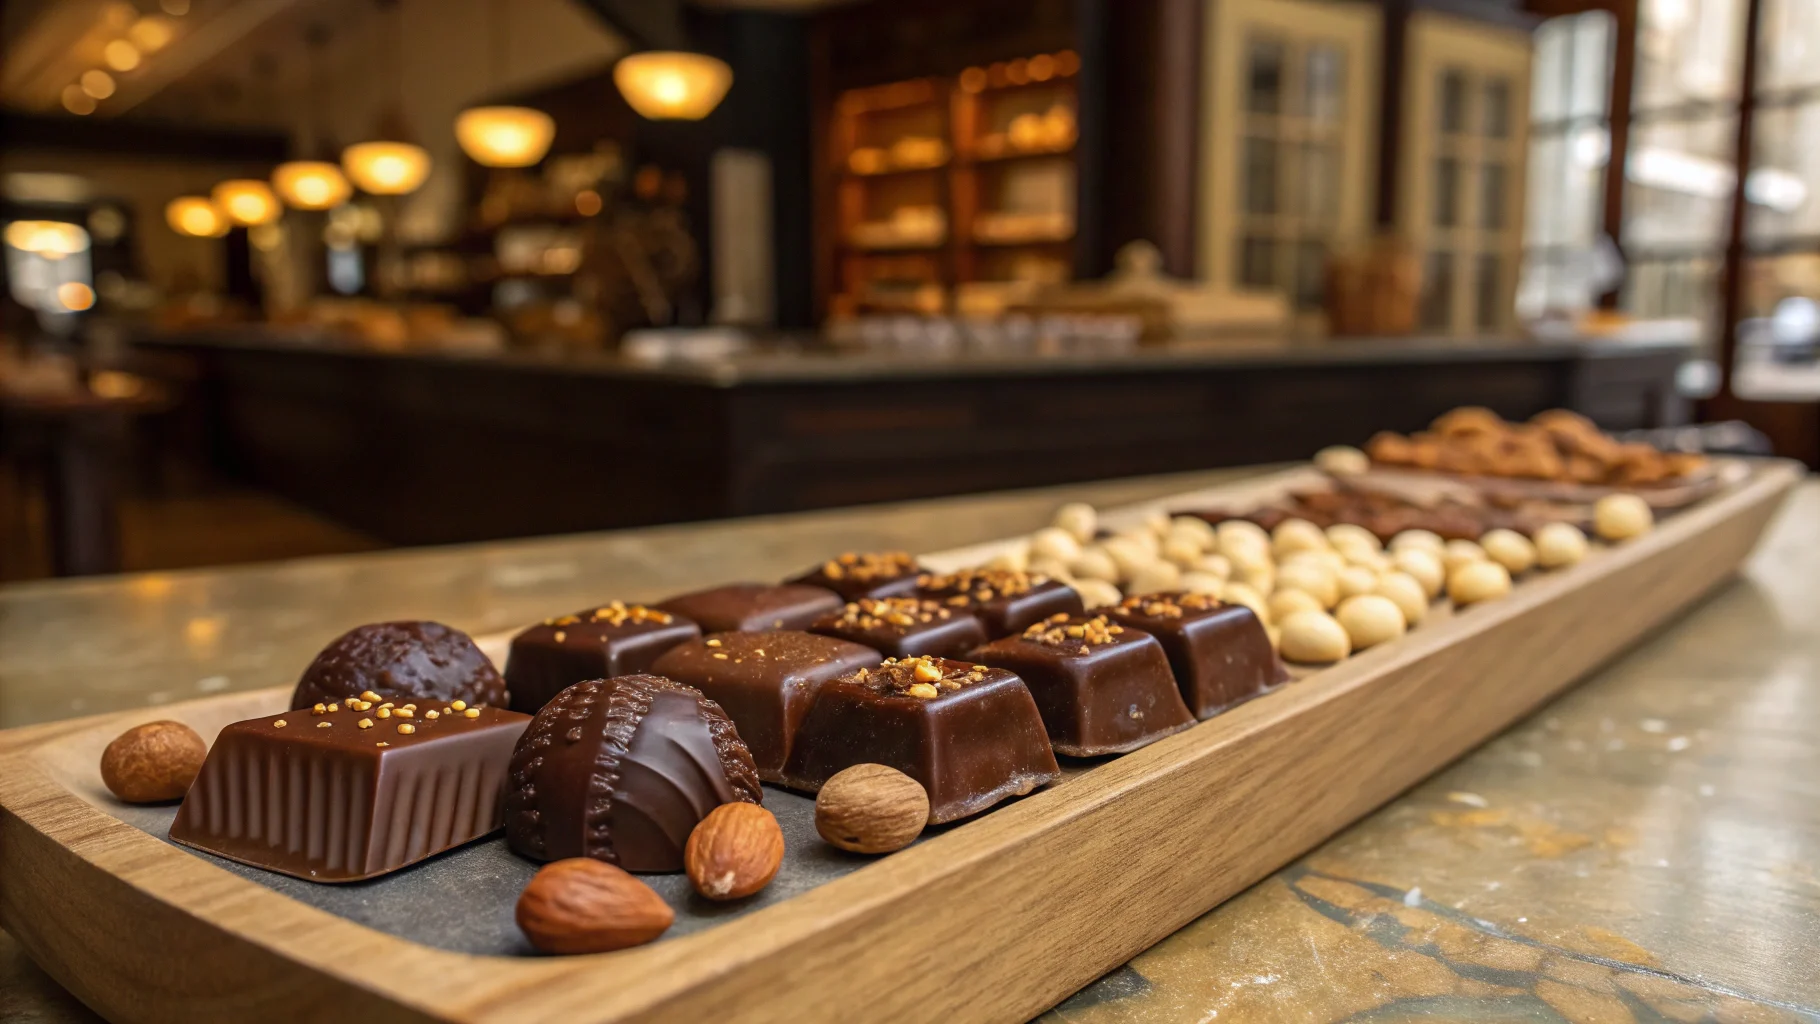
[(297, 277)]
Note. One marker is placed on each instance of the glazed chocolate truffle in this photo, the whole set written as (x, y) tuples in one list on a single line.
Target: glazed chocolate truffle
[(352, 789), (765, 682), (752, 607), (904, 627), (612, 640), (621, 770), (421, 661), (1103, 688), (865, 574), (969, 733), (1219, 652), (1005, 601)]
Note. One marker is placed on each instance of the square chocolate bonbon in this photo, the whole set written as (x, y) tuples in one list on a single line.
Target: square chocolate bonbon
[(969, 733), (765, 682), (905, 627), (1220, 654), (1103, 688), (1006, 601), (613, 640), (352, 789), (857, 575), (752, 607)]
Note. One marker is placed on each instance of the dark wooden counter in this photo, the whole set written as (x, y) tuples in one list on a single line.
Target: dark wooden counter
[(433, 448)]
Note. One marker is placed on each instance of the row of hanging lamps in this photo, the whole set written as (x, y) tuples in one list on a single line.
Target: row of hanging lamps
[(389, 165), (196, 216), (672, 85), (503, 136), (313, 184), (246, 201)]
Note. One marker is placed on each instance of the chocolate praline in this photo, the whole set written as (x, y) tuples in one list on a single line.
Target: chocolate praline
[(425, 661), (752, 607), (622, 770), (1004, 600), (856, 575), (613, 640)]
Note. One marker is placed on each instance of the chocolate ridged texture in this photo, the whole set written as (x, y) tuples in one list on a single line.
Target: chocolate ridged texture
[(622, 770), (425, 661), (321, 798)]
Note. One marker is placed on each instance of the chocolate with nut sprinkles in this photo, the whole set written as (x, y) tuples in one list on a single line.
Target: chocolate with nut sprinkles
[(421, 661), (351, 789), (613, 640), (765, 682), (1219, 652), (1006, 601), (857, 575), (1103, 688), (968, 732), (622, 770), (752, 607), (904, 627)]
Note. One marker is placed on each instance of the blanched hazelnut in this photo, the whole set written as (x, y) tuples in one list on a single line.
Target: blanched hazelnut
[(1078, 519), (1054, 543), (1342, 534), (1406, 593), (1198, 528), (1241, 532), (1097, 593), (1181, 550), (1143, 538), (1239, 593), (1371, 558), (1015, 559), (1243, 547), (1259, 576), (1425, 566), (1509, 549), (1355, 580), (1292, 535), (1619, 517), (1313, 579), (1214, 565), (1559, 545), (1285, 603), (1314, 637), (1129, 556), (1459, 552), (1342, 460), (1156, 522), (1370, 619), (1197, 582), (1328, 557), (1154, 578), (1094, 564), (1425, 539), (1477, 581), (1050, 568)]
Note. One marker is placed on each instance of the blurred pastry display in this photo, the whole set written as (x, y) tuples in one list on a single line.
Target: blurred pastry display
[(1556, 445)]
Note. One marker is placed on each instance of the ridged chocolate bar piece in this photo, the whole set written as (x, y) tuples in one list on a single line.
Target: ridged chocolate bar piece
[(351, 790)]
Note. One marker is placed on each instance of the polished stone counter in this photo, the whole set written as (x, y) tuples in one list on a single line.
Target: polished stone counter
[(1642, 849)]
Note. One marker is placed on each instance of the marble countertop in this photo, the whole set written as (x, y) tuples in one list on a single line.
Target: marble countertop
[(1645, 848)]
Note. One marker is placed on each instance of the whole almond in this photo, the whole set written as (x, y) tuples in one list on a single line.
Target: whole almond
[(870, 808), (582, 905), (153, 762), (734, 851)]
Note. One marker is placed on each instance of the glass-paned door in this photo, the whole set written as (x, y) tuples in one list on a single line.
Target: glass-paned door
[(1569, 148)]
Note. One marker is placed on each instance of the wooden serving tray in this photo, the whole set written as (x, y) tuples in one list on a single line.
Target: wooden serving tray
[(994, 920)]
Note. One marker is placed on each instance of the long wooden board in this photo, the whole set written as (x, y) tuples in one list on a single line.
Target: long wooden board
[(992, 921)]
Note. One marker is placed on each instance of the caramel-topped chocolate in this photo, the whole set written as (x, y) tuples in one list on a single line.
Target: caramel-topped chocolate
[(401, 660), (861, 574), (614, 639), (1004, 600), (922, 678), (1072, 633), (905, 627), (1219, 653), (349, 789)]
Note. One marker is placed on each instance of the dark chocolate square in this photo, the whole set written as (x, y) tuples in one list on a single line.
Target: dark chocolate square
[(316, 795), (857, 575), (1103, 688), (1005, 601), (751, 607), (905, 627), (600, 643), (1220, 654), (765, 682), (969, 733)]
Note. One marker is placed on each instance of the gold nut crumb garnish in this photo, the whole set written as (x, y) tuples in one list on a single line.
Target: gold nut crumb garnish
[(561, 636), (387, 704), (318, 709), (713, 643), (365, 723), (459, 705), (406, 728), (279, 724), (472, 713), (432, 713), (384, 712), (1059, 632), (324, 725), (923, 690), (334, 708), (368, 695), (720, 657), (927, 672), (405, 712), (382, 744)]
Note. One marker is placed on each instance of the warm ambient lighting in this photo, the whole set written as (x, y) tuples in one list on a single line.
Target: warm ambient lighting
[(175, 8), (671, 84), (97, 83), (504, 136), (246, 201), (51, 239), (121, 55), (151, 33), (195, 216), (75, 296), (386, 168), (311, 184), (76, 101)]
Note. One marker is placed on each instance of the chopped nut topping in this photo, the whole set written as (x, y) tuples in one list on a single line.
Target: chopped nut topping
[(980, 585), (365, 723), (1067, 631), (923, 690), (618, 613), (1169, 606), (406, 728), (405, 712), (713, 643), (432, 713), (921, 676), (384, 712), (720, 657), (368, 695), (334, 707), (472, 713), (318, 709), (382, 744), (324, 725), (279, 724), (900, 612), (459, 705), (870, 565), (561, 636)]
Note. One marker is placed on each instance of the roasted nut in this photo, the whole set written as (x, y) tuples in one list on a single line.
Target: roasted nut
[(1292, 535), (1425, 566), (1333, 560), (1014, 559), (1242, 535), (1312, 578), (1340, 535), (1259, 576), (1156, 522), (1559, 545), (1129, 555), (153, 762), (1478, 581), (1240, 593), (1286, 602), (734, 851), (1078, 519), (1055, 543), (1426, 539), (1459, 552), (1097, 593), (1196, 528), (1355, 580), (1314, 637), (1181, 550), (870, 808), (581, 905), (1370, 620), (1094, 564), (1622, 516), (1406, 592), (1155, 578), (1198, 582), (1342, 460), (1052, 569), (1509, 549), (1214, 565)]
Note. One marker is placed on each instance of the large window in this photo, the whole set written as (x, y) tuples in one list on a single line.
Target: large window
[(1569, 147)]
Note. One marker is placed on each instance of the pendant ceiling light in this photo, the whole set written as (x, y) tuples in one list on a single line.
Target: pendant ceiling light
[(672, 85), (313, 184), (503, 136), (389, 165), (246, 201), (195, 216)]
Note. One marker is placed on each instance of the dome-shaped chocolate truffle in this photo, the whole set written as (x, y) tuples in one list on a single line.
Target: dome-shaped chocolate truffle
[(401, 661), (621, 770)]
